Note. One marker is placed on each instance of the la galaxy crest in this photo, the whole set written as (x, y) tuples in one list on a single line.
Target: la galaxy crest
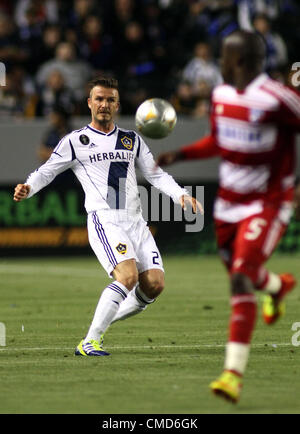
[(126, 142), (121, 248)]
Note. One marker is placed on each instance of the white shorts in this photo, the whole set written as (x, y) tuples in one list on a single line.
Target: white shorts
[(115, 240)]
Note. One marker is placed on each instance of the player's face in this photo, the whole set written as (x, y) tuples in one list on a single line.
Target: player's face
[(103, 103)]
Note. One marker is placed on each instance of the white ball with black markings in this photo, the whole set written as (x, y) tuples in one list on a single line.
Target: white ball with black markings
[(155, 118)]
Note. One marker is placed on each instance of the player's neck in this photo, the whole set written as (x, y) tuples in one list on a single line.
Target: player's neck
[(105, 127), (243, 80)]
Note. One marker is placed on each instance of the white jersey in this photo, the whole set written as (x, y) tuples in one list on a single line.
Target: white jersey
[(105, 166)]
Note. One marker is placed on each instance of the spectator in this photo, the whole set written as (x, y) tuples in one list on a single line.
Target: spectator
[(184, 100), (125, 11), (96, 47), (195, 22), (136, 68), (30, 34), (134, 52), (52, 35), (55, 93), (276, 56), (11, 52), (120, 14), (17, 97), (202, 72), (145, 43), (80, 11), (46, 11), (60, 126), (248, 9), (156, 34), (209, 20), (75, 71)]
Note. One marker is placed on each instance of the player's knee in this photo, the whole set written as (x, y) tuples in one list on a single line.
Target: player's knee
[(154, 287), (130, 279), (127, 274), (241, 284)]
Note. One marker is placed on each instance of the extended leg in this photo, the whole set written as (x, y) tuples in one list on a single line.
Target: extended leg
[(126, 275), (151, 284), (241, 325)]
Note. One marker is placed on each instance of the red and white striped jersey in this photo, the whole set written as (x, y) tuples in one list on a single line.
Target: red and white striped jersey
[(254, 131)]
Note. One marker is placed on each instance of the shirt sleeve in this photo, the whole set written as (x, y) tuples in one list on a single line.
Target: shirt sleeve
[(289, 114), (207, 146), (156, 176), (60, 160), (203, 148)]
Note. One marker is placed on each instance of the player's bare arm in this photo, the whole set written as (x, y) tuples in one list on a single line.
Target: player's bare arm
[(206, 147), (21, 192), (168, 158)]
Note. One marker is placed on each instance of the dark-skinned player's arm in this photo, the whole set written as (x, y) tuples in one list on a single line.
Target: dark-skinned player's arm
[(206, 147), (203, 148)]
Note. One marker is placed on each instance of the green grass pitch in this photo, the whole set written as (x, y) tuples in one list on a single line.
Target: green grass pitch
[(162, 360)]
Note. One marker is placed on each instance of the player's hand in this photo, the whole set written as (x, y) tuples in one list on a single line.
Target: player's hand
[(21, 192), (167, 158), (195, 204), (297, 202)]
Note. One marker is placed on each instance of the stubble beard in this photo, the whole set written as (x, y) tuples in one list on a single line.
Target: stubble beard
[(103, 121)]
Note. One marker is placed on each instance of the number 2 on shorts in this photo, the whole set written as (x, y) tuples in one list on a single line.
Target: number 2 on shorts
[(155, 258)]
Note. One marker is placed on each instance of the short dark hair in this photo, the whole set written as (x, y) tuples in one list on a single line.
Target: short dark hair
[(110, 82), (251, 45)]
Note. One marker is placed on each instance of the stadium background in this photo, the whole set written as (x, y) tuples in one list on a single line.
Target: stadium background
[(151, 47)]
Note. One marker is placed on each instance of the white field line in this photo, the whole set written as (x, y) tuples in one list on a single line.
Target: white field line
[(58, 270), (50, 270), (145, 347)]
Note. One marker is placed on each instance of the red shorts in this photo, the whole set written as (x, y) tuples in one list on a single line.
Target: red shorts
[(246, 245)]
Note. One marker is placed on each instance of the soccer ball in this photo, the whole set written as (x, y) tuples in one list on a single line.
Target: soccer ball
[(155, 118)]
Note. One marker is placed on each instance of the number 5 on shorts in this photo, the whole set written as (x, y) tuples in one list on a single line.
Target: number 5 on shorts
[(255, 228)]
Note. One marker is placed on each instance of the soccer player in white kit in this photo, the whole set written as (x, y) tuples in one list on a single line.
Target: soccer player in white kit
[(103, 158)]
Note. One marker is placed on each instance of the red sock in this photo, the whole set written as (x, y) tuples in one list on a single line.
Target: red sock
[(243, 316), (262, 282)]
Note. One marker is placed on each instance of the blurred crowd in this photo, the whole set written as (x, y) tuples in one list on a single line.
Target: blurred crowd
[(155, 48)]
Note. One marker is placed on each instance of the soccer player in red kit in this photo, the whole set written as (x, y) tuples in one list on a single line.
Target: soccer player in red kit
[(254, 122)]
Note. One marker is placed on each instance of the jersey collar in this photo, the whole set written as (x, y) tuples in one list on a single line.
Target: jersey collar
[(101, 132), (257, 81)]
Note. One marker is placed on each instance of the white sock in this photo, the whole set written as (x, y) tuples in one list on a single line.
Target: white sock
[(108, 305), (273, 284), (135, 303), (236, 356)]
